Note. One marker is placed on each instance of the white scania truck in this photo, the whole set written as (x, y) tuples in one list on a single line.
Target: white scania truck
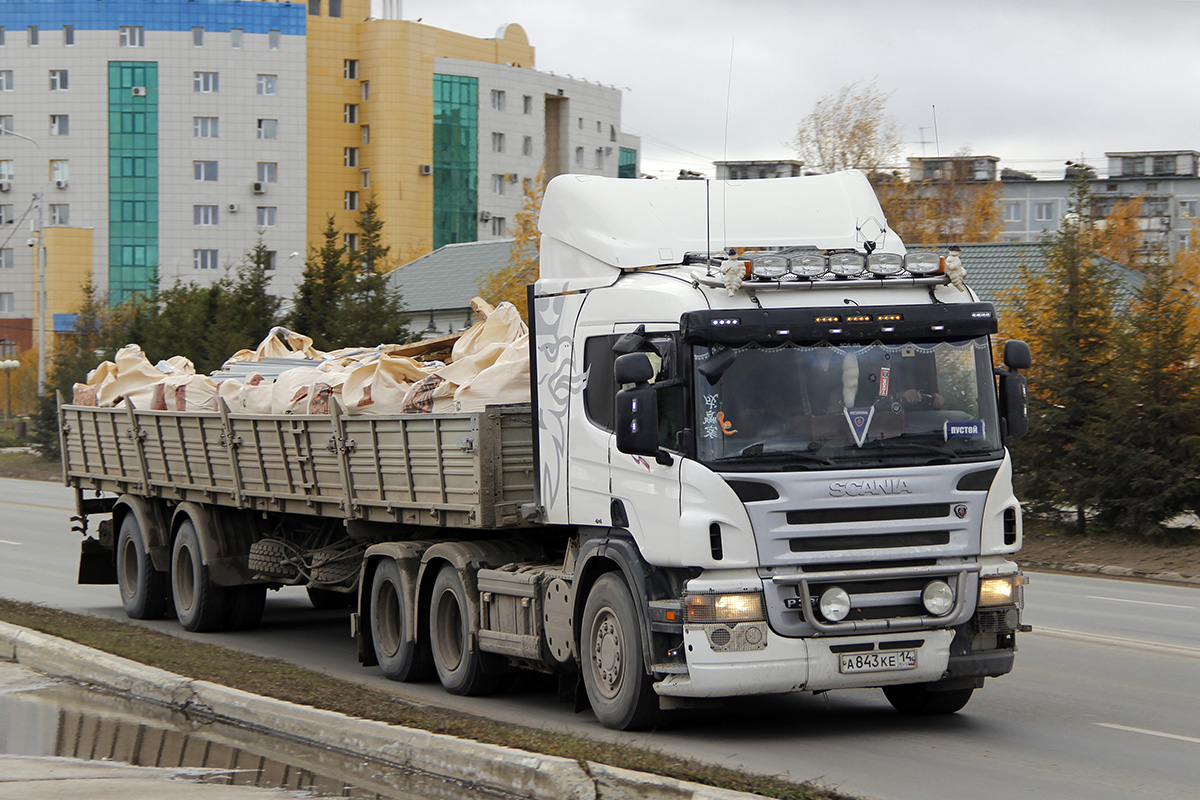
[(765, 453)]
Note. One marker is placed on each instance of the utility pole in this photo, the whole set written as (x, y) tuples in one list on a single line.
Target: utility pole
[(40, 199)]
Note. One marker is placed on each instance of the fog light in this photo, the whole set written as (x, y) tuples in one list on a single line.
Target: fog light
[(809, 266), (882, 264), (835, 604), (847, 265), (938, 598), (769, 267), (922, 263)]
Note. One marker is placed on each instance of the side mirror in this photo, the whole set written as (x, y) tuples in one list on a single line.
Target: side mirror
[(715, 366), (1014, 403), (632, 368), (637, 406), (1017, 355)]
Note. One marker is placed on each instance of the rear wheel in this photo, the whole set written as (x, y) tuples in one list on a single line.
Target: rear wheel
[(200, 604), (244, 606), (144, 590), (459, 667), (621, 693), (400, 658), (919, 698)]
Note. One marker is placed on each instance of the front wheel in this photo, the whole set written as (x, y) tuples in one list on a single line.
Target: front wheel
[(919, 698), (621, 693), (144, 591), (200, 604)]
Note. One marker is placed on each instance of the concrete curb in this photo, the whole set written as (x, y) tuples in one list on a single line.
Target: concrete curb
[(508, 771), (1114, 572)]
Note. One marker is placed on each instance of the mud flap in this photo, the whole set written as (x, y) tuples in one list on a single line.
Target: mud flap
[(97, 564)]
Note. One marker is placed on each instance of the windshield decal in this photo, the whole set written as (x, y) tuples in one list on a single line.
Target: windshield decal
[(859, 420), (711, 425), (969, 429)]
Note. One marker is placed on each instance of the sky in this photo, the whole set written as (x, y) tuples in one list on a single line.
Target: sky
[(1034, 83)]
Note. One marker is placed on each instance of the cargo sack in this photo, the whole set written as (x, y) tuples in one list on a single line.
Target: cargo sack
[(326, 391), (189, 393), (380, 387), (504, 381), (433, 395), (503, 325), (297, 346), (290, 392), (251, 396), (85, 394), (134, 378)]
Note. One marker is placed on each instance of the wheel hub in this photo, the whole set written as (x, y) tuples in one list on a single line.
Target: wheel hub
[(608, 655)]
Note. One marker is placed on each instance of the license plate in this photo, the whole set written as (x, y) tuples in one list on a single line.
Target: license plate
[(878, 662)]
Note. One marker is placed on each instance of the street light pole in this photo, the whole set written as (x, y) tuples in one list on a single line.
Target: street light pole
[(40, 199)]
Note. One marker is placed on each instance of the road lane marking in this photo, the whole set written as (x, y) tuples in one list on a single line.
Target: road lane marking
[(1160, 734), (1120, 641), (1138, 602), (6, 541)]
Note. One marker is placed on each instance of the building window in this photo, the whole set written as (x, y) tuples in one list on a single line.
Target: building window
[(498, 184), (7, 258), (197, 37), (60, 124), (350, 113), (206, 82), (6, 80), (527, 104), (68, 35), (1164, 165), (366, 91), (579, 156), (499, 226), (6, 213), (581, 123), (1187, 208), (266, 216), (498, 99), (60, 169), (350, 241), (350, 157), (60, 214), (365, 133), (599, 161), (267, 172), (366, 179), (6, 169), (598, 127), (527, 146), (6, 123), (270, 258), (8, 348), (350, 202), (204, 259), (1043, 212), (497, 142), (6, 301), (34, 39), (350, 69), (314, 8), (204, 170), (266, 84), (1012, 212), (235, 38), (58, 79), (1133, 166), (335, 8), (1, 36), (206, 127), (268, 129), (272, 40), (612, 133), (132, 36), (205, 215)]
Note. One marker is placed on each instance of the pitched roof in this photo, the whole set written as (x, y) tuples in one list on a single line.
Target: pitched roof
[(449, 277), (993, 267)]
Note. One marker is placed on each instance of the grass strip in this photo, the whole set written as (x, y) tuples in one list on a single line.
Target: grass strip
[(285, 681)]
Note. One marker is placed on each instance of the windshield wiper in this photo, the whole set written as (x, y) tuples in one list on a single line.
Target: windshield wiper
[(755, 452), (893, 445)]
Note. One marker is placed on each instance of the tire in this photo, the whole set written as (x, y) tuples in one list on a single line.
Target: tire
[(621, 693), (400, 658), (200, 604), (144, 590), (920, 698), (459, 667), (244, 606), (328, 599)]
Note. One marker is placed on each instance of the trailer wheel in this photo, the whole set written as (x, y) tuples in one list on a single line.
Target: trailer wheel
[(245, 606), (144, 590), (200, 604), (459, 666), (621, 693), (400, 658), (918, 698)]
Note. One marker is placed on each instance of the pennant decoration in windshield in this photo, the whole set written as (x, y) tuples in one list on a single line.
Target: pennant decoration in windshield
[(859, 420)]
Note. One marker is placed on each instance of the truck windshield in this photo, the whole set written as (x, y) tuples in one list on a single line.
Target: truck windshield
[(837, 406)]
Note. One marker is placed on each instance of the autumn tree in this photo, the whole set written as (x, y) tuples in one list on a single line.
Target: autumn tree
[(850, 129), (1119, 234), (1068, 316), (949, 208), (508, 283)]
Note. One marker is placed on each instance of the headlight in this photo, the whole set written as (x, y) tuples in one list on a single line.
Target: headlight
[(847, 265), (922, 263), (743, 607), (835, 604), (938, 598), (882, 264), (771, 267), (809, 266), (1000, 591)]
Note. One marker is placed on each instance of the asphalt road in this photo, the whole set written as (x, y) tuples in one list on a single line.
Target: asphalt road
[(1104, 701)]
